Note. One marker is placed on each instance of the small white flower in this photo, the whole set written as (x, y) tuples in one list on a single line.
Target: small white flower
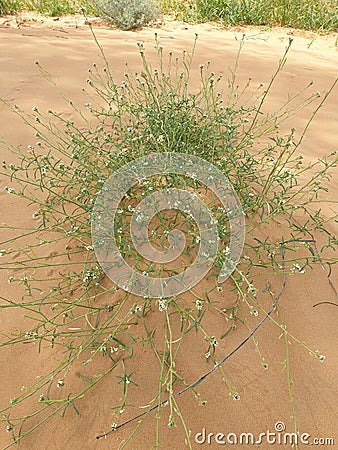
[(214, 342), (2, 252), (252, 290), (139, 217), (136, 309), (322, 358), (199, 304), (295, 267), (161, 305), (60, 383)]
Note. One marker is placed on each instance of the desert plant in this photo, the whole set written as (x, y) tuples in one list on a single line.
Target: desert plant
[(48, 7), (185, 10), (310, 14), (128, 14), (9, 6), (73, 307)]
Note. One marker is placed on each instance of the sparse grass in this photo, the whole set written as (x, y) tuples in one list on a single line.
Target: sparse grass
[(79, 316), (58, 8), (9, 6), (316, 15), (180, 10), (307, 15), (48, 7)]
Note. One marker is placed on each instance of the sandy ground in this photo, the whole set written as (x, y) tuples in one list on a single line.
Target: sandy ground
[(66, 49)]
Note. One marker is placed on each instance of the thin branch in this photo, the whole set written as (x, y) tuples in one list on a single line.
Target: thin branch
[(214, 368), (325, 303)]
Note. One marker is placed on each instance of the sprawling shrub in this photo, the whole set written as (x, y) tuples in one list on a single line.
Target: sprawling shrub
[(128, 14)]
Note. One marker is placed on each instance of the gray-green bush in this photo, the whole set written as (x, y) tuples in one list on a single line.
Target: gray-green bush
[(128, 14)]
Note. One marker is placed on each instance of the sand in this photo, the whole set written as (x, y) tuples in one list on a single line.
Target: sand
[(65, 47)]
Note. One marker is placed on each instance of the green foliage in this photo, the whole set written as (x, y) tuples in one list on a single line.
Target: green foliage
[(9, 6), (181, 10), (308, 14), (48, 7)]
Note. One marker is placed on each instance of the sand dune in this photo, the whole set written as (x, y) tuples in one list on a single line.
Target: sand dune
[(67, 49)]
